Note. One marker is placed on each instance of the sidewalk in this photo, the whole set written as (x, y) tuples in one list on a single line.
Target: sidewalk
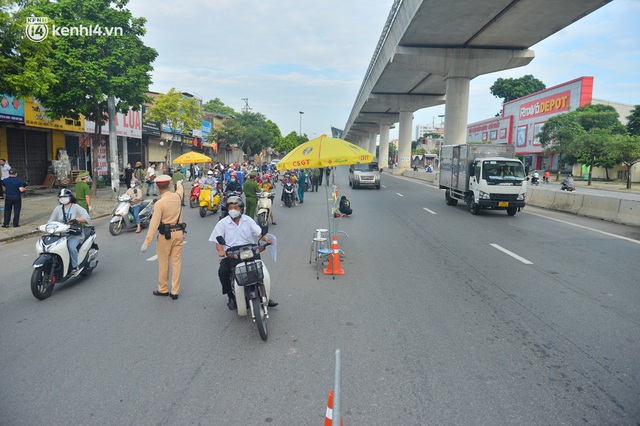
[(38, 205)]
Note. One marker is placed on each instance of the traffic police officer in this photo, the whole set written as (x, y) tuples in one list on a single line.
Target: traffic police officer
[(166, 220)]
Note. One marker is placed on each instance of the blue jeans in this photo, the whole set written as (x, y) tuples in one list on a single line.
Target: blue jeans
[(72, 245), (135, 210), (152, 186)]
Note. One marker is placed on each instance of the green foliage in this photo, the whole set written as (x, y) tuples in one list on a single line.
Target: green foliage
[(251, 131), (89, 67), (432, 135), (633, 126), (180, 113), (600, 117), (626, 150), (289, 142), (25, 66), (513, 88), (218, 107)]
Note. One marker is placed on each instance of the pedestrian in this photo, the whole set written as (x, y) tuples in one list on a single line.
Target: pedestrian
[(251, 189), (166, 219), (128, 174), (546, 177), (13, 198), (150, 178), (178, 176), (302, 185), (345, 206), (315, 180), (4, 169), (135, 193), (70, 211), (236, 229), (139, 173), (83, 192), (327, 173)]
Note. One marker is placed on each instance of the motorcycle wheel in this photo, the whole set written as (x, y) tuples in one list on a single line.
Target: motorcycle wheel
[(39, 287), (261, 318), (115, 228), (287, 201), (203, 211), (263, 219), (193, 203)]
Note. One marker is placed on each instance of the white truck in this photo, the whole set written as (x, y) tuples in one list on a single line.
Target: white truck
[(483, 176)]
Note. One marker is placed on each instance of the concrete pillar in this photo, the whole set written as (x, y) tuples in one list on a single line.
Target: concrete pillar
[(383, 151), (456, 110), (404, 142), (372, 143)]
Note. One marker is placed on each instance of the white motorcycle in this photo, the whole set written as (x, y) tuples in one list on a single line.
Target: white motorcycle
[(122, 215), (251, 283), (265, 202), (53, 264)]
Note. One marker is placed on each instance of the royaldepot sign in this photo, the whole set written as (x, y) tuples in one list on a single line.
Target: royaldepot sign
[(549, 105)]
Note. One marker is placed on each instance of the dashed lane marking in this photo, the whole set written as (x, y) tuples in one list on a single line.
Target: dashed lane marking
[(512, 254)]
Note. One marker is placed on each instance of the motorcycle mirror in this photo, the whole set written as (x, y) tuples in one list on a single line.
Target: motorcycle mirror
[(220, 240), (264, 229)]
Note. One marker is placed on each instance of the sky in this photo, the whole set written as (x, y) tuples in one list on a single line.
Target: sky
[(289, 56)]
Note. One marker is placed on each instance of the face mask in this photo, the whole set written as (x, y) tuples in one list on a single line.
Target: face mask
[(234, 213), (133, 185), (233, 179), (64, 200)]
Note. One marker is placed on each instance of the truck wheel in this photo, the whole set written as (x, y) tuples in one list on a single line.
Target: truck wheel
[(474, 208), (450, 200), (511, 211)]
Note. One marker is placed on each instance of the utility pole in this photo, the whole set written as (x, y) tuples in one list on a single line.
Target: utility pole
[(301, 112), (246, 107)]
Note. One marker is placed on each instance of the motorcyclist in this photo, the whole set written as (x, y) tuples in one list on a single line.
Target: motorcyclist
[(233, 185), (568, 183), (535, 177), (288, 178), (265, 185), (69, 211), (135, 192), (237, 229), (210, 179)]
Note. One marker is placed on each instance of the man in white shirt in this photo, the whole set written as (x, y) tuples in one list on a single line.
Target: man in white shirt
[(151, 175), (4, 167)]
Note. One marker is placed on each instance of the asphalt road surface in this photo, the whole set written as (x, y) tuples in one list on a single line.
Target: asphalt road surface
[(441, 317)]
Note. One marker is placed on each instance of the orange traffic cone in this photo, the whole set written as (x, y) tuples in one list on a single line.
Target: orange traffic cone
[(334, 260), (328, 418)]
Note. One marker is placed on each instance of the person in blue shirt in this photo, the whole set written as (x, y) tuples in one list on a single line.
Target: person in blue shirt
[(14, 187)]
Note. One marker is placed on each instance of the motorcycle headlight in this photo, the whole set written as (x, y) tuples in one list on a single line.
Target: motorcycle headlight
[(246, 254)]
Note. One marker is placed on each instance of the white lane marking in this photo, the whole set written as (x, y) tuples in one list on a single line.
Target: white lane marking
[(399, 194), (430, 211), (587, 228), (512, 254), (384, 187), (152, 258)]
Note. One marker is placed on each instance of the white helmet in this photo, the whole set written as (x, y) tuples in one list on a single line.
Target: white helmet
[(209, 173)]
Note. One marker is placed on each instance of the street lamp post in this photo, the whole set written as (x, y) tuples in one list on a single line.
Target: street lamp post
[(301, 112)]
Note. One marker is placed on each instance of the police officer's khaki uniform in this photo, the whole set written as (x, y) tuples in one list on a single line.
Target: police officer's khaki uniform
[(167, 211)]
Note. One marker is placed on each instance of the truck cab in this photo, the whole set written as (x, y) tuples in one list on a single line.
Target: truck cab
[(496, 183)]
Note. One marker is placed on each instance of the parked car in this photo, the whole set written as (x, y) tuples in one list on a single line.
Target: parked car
[(367, 174)]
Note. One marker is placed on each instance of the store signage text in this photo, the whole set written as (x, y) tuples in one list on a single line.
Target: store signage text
[(549, 105)]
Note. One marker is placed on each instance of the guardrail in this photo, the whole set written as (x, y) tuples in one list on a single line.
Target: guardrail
[(612, 209)]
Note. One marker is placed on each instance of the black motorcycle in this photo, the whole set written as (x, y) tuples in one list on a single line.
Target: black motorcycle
[(288, 197), (224, 212)]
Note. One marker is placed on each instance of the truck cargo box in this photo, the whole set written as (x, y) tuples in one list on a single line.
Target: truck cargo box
[(456, 159)]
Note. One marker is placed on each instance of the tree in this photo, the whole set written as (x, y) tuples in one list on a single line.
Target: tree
[(218, 107), (626, 149), (251, 131), (513, 88), (289, 142), (91, 67), (633, 126), (25, 65), (558, 136), (181, 114), (592, 145)]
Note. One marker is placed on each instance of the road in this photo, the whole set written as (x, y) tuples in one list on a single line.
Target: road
[(441, 318)]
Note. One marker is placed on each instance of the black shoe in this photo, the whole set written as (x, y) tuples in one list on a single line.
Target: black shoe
[(232, 304), (5, 226), (174, 296), (272, 303), (16, 226), (157, 293)]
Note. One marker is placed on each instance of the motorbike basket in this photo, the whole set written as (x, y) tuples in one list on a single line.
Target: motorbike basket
[(249, 273)]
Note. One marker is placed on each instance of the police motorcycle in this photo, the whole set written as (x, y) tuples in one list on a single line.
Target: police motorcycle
[(251, 282), (122, 215), (265, 201), (53, 264)]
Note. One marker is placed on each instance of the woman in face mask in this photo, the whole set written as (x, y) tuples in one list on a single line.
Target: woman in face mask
[(67, 212), (136, 195)]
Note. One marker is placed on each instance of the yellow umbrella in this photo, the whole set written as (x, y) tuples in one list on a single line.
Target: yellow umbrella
[(192, 157), (324, 151)]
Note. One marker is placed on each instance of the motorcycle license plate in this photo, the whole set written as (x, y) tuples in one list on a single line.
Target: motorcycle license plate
[(503, 204)]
